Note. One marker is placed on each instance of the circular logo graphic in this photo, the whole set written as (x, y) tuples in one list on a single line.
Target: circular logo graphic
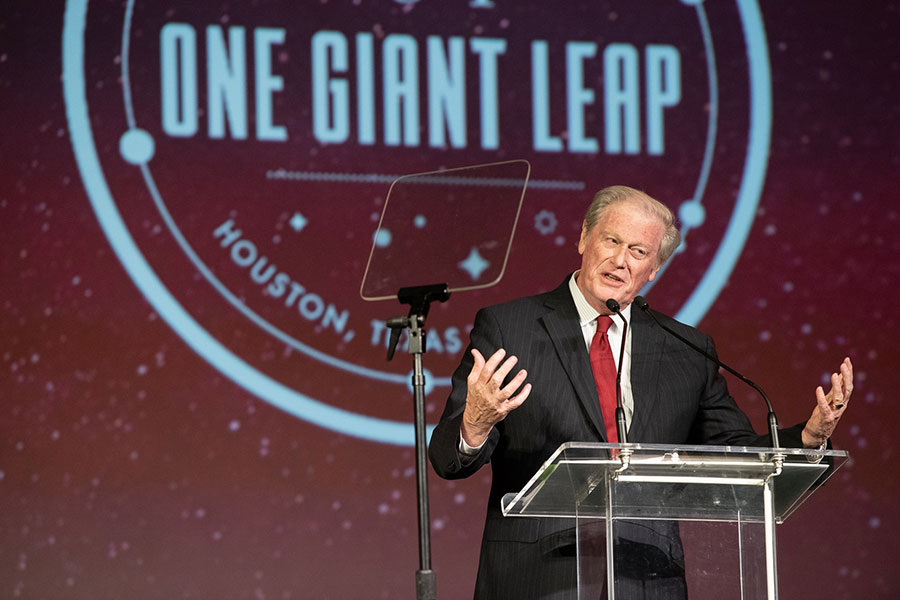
[(238, 162)]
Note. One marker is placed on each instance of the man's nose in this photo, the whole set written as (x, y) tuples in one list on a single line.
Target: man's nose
[(620, 254)]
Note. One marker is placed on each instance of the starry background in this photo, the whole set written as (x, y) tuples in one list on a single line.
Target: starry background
[(130, 467)]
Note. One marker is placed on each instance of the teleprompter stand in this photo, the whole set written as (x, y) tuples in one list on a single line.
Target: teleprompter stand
[(419, 299), (456, 226), (624, 498)]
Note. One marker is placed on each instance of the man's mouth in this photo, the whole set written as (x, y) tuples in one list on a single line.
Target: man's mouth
[(611, 277)]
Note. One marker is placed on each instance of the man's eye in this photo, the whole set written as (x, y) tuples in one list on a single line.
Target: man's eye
[(638, 253)]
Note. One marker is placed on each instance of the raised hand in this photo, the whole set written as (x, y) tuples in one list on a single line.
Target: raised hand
[(488, 401), (829, 407)]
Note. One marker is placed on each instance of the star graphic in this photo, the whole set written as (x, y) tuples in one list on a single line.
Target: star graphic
[(474, 264), (298, 222)]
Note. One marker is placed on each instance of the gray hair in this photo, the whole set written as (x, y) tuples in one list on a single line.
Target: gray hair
[(620, 193)]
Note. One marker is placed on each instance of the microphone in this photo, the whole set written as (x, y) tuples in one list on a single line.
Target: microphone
[(773, 422), (613, 306)]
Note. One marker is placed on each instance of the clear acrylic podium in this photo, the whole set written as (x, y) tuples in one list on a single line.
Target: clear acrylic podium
[(633, 503)]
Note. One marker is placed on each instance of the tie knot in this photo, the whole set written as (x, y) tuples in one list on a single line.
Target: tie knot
[(603, 323)]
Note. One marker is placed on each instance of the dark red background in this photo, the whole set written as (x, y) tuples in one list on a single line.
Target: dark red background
[(122, 472)]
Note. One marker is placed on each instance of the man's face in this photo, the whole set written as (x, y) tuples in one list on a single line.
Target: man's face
[(618, 256)]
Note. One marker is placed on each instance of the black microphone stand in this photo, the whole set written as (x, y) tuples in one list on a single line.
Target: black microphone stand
[(771, 419), (621, 430), (419, 299)]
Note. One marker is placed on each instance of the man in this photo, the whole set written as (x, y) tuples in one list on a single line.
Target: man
[(515, 421)]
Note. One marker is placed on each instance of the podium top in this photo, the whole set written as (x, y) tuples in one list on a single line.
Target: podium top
[(677, 482)]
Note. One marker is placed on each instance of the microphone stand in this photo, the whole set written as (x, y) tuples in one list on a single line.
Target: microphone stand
[(621, 429), (772, 420), (419, 298)]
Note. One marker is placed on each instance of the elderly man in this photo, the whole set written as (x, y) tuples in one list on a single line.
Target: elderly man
[(545, 381)]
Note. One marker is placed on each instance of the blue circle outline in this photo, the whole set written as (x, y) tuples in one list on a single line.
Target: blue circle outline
[(300, 405), (755, 165)]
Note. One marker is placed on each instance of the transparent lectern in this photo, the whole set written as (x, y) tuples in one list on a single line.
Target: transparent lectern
[(722, 502)]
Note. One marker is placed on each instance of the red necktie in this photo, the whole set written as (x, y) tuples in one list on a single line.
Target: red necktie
[(604, 368)]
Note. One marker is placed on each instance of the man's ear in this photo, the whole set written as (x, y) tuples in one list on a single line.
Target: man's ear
[(582, 243)]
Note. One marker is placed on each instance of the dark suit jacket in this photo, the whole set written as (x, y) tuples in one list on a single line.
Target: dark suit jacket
[(679, 398)]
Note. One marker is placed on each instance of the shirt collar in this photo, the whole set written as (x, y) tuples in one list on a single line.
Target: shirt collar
[(586, 312)]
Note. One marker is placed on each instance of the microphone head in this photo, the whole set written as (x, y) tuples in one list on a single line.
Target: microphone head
[(641, 303), (612, 305)]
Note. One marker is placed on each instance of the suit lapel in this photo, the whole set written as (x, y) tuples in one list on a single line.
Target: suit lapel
[(564, 329), (647, 341)]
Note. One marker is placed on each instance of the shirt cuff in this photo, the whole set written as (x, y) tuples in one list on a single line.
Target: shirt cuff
[(817, 459), (467, 450)]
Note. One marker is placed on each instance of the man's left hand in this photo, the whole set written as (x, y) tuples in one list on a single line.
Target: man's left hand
[(829, 407)]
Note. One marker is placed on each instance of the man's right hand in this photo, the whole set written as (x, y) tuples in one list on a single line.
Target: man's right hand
[(488, 401)]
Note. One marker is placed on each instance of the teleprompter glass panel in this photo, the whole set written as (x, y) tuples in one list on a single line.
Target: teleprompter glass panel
[(452, 227)]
